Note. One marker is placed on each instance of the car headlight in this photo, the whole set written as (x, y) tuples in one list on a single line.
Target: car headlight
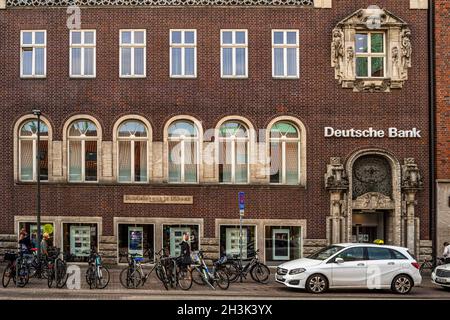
[(297, 271)]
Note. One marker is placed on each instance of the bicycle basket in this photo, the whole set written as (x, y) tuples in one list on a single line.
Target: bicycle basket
[(10, 256)]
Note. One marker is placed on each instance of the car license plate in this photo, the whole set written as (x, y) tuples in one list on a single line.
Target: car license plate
[(443, 280)]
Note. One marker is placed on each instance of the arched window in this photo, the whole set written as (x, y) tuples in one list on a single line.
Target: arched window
[(284, 153), (82, 148), (132, 146), (183, 143), (233, 152), (28, 164)]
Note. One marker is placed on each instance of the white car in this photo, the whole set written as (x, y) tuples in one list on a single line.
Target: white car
[(353, 265), (441, 276)]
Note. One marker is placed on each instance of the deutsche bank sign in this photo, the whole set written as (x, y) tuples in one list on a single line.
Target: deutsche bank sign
[(331, 132)]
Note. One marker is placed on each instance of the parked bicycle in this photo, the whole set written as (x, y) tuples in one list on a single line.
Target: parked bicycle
[(429, 264), (178, 274), (56, 269), (19, 276), (201, 274), (134, 276), (97, 275), (258, 271)]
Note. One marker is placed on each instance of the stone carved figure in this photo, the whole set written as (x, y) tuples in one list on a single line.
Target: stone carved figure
[(406, 51), (337, 52), (395, 63), (350, 61), (411, 177)]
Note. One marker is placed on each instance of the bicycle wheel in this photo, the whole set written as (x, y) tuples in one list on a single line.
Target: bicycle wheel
[(197, 276), (24, 276), (103, 278), (130, 278), (162, 276), (8, 273), (60, 273), (184, 278), (90, 277), (232, 270), (260, 273), (222, 280), (50, 276)]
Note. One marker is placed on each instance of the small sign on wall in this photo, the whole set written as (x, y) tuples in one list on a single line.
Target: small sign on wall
[(154, 199)]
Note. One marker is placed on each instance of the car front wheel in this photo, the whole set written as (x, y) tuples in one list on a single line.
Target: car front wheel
[(402, 284), (316, 283)]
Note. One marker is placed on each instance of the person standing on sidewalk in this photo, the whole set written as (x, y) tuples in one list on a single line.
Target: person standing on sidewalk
[(446, 254), (185, 250)]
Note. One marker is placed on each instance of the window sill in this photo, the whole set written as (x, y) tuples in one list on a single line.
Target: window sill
[(285, 78), (33, 77)]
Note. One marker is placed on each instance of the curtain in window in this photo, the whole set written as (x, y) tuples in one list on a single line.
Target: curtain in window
[(39, 61), (227, 56), (139, 61), (176, 61), (292, 162), (27, 61), (225, 161), (76, 61), (124, 161), (26, 160), (279, 61), (174, 161), (140, 159), (240, 61), (241, 162), (190, 158), (291, 61), (91, 160), (75, 161), (89, 61), (189, 61), (43, 163), (126, 61), (275, 162)]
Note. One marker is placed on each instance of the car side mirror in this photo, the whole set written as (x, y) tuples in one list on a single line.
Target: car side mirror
[(339, 260)]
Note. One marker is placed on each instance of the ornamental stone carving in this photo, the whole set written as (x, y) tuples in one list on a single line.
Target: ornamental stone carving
[(411, 177), (336, 178), (90, 3), (373, 201), (398, 50), (371, 173)]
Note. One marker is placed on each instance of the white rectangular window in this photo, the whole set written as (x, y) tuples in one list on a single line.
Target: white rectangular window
[(33, 54), (234, 53), (370, 55), (82, 53), (285, 54), (133, 53), (183, 53)]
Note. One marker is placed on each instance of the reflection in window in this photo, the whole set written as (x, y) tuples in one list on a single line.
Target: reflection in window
[(183, 143), (370, 55), (233, 152), (173, 236), (137, 239), (82, 146), (28, 160), (230, 241), (284, 153), (132, 140), (183, 53), (283, 243)]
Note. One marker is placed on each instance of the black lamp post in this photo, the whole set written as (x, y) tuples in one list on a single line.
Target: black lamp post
[(37, 113)]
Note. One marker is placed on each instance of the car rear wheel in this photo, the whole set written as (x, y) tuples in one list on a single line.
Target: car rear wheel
[(317, 283), (402, 284)]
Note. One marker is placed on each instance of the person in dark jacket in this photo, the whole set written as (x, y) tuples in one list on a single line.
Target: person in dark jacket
[(24, 241), (185, 254)]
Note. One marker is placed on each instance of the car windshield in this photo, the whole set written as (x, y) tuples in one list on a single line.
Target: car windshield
[(325, 253)]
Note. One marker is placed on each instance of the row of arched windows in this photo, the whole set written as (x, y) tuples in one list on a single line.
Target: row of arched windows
[(183, 138)]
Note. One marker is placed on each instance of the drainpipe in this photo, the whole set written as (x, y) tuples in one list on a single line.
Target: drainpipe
[(432, 127)]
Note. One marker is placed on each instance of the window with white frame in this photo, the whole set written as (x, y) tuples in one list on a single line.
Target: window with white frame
[(183, 141), (370, 55), (234, 53), (133, 53), (132, 137), (82, 149), (285, 54), (233, 152), (33, 53), (183, 53), (284, 153), (82, 53), (28, 159)]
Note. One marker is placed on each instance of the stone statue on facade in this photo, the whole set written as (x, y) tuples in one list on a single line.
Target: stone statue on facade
[(337, 52)]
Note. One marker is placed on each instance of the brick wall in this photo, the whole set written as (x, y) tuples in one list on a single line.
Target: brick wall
[(442, 39), (316, 98)]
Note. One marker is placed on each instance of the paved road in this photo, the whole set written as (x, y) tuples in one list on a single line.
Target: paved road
[(153, 289)]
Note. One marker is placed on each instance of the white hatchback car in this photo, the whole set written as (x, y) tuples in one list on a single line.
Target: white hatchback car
[(353, 265)]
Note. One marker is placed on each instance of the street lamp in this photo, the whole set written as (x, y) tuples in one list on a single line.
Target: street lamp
[(37, 113)]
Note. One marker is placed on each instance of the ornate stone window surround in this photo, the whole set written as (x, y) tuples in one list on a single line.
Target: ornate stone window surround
[(397, 50), (17, 126), (149, 140)]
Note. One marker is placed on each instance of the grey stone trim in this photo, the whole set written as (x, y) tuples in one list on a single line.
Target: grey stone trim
[(92, 3)]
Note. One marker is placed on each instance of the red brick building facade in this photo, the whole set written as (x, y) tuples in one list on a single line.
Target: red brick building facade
[(355, 188)]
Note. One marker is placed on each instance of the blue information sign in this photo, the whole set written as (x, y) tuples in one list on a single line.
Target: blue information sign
[(241, 198)]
